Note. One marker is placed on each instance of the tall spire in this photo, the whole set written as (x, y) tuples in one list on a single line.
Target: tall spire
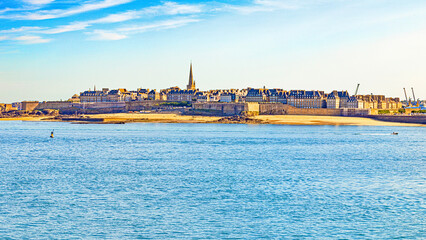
[(191, 83)]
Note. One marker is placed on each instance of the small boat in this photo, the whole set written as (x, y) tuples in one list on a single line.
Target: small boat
[(394, 133)]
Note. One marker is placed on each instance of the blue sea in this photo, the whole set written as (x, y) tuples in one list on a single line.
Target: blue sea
[(211, 181)]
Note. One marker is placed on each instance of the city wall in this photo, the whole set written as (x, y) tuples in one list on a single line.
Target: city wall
[(208, 108), (226, 109), (271, 109), (54, 105), (66, 107), (29, 105), (146, 105), (403, 119)]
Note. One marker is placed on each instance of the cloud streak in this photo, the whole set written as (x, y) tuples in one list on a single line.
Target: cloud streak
[(38, 2), (192, 11), (102, 35), (29, 39), (76, 26), (166, 9), (264, 6), (121, 33), (21, 29), (59, 13)]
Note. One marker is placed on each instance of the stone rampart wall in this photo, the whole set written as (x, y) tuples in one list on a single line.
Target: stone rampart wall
[(74, 110), (356, 112), (403, 119), (227, 109), (314, 111), (280, 109), (29, 105), (54, 105), (143, 105), (273, 109)]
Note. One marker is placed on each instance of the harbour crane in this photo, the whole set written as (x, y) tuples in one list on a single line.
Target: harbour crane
[(406, 99), (414, 97), (357, 87)]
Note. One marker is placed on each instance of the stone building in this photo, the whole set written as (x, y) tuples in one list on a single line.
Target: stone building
[(278, 95), (5, 107), (106, 95), (181, 95), (306, 99), (355, 102), (153, 95), (29, 105), (257, 95), (94, 96), (142, 94), (229, 97)]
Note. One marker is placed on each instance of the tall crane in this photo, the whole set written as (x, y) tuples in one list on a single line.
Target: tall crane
[(357, 87), (406, 99), (414, 97)]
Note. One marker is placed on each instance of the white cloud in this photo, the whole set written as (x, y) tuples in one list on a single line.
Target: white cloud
[(106, 35), (38, 2), (58, 13), (67, 28), (26, 8), (119, 17), (2, 38), (165, 9), (172, 8), (266, 6), (21, 29), (31, 39), (122, 33), (168, 8), (158, 26)]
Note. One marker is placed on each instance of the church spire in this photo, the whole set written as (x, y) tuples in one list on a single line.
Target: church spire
[(191, 83)]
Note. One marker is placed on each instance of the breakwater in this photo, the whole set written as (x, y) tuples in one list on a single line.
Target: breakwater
[(401, 119)]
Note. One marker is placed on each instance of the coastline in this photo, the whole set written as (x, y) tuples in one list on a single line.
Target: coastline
[(121, 118)]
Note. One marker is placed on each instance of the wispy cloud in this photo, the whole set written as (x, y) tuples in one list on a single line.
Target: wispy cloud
[(2, 38), (31, 39), (121, 33), (21, 29), (76, 26), (38, 2), (106, 35), (265, 6), (118, 17), (167, 8), (172, 8), (158, 26), (25, 8), (59, 13)]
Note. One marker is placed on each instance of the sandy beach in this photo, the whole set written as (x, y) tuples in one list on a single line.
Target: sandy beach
[(262, 119), (35, 119), (328, 120)]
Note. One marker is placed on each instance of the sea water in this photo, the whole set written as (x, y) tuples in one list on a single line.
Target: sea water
[(211, 181)]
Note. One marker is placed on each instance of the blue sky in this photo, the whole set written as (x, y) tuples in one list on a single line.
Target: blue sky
[(51, 49)]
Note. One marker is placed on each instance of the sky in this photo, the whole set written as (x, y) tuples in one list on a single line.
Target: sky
[(52, 49)]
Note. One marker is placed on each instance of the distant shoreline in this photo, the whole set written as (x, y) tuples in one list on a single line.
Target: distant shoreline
[(121, 118)]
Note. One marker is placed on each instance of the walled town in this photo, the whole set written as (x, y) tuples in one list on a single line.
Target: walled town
[(224, 102)]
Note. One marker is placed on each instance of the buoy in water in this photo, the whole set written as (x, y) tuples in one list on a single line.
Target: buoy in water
[(51, 135)]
